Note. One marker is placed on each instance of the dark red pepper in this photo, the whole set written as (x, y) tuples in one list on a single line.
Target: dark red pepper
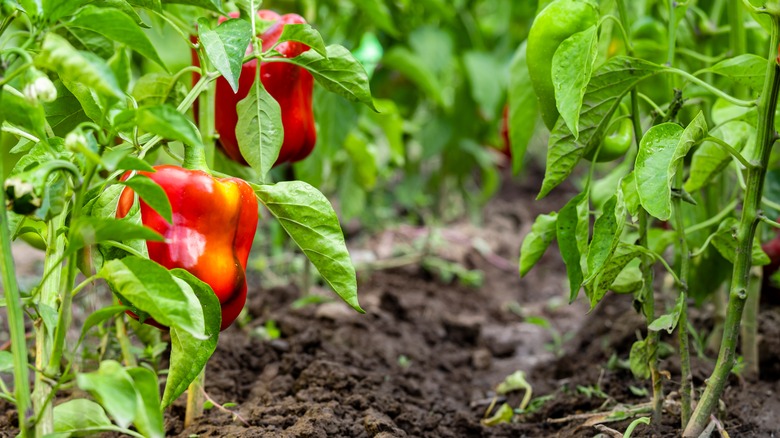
[(291, 86), (214, 224)]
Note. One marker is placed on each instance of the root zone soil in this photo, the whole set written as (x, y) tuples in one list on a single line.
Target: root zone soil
[(425, 359)]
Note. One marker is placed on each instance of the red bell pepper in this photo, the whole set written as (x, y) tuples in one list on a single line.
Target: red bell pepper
[(291, 86), (214, 224)]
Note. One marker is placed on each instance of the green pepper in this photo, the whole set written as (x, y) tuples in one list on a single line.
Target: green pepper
[(556, 22), (615, 143)]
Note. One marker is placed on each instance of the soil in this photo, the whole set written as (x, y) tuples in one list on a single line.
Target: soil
[(425, 359)]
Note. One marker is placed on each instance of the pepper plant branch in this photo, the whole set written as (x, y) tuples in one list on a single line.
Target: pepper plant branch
[(15, 315), (746, 232), (710, 88), (686, 385), (713, 220), (730, 149)]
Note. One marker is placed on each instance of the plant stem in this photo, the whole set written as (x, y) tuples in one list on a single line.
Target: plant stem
[(121, 336), (686, 385), (55, 247), (765, 138), (15, 319), (195, 399), (749, 327)]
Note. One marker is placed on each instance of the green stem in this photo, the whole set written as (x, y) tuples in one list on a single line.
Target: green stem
[(686, 386), (194, 407), (765, 137), (672, 32), (124, 340), (55, 248), (730, 149), (749, 327), (713, 220), (15, 320), (711, 89)]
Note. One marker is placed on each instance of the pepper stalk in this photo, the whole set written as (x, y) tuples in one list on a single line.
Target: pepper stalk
[(738, 293)]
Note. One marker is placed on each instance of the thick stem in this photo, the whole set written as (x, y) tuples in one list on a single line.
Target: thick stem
[(686, 385), (55, 247), (737, 38), (765, 138), (749, 327), (15, 320), (195, 399)]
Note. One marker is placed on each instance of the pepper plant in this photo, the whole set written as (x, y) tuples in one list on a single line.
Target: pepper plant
[(84, 119), (701, 81)]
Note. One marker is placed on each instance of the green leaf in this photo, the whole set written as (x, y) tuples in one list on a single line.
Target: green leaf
[(725, 241), (79, 414), (566, 233), (153, 88), (99, 316), (416, 70), (133, 163), (18, 111), (188, 354), (152, 194), (606, 235), (709, 159), (259, 129), (211, 5), (92, 230), (87, 99), (537, 240), (151, 288), (340, 72), (6, 361), (113, 388), (117, 26), (309, 219), (303, 33), (630, 193), (379, 14), (639, 359), (747, 69), (668, 321), (53, 10), (487, 88), (225, 46), (523, 108), (148, 418), (126, 8), (165, 121), (606, 88), (572, 66), (72, 65), (623, 255), (64, 113), (661, 150)]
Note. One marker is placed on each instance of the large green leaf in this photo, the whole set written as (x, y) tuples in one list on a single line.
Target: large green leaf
[(710, 159), (303, 33), (567, 234), (151, 288), (72, 65), (152, 194), (225, 47), (606, 234), (211, 5), (189, 354), (309, 219), (537, 240), (572, 66), (747, 69), (113, 387), (88, 230), (606, 88), (259, 130), (340, 72), (79, 414), (165, 121), (661, 150), (19, 111), (523, 108), (148, 417)]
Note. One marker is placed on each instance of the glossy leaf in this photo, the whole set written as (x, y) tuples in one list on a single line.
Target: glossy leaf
[(303, 33), (566, 233), (72, 65), (152, 289), (661, 150), (572, 66), (606, 234), (189, 354), (340, 72), (152, 194), (523, 108), (148, 418), (113, 388), (309, 219), (165, 121), (225, 47), (606, 88), (668, 321), (79, 414), (596, 288), (537, 240), (259, 129), (747, 69)]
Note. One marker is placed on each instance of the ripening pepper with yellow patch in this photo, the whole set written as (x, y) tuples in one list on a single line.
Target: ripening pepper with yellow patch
[(214, 224)]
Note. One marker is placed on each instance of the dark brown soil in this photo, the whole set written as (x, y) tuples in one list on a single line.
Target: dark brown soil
[(426, 357)]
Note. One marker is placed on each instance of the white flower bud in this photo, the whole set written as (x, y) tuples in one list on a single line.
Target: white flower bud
[(75, 140), (41, 89)]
